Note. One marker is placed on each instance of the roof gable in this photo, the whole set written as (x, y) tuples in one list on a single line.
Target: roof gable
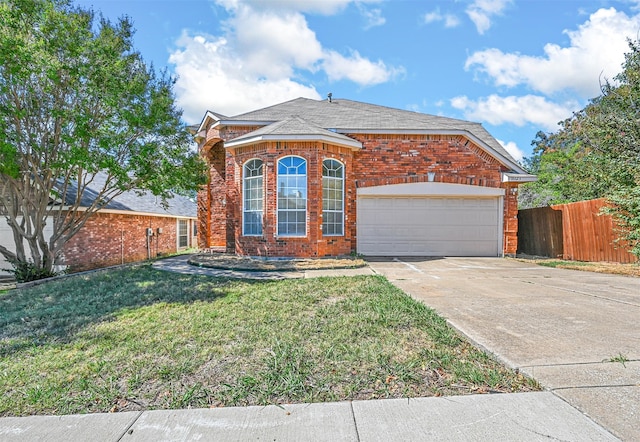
[(293, 128)]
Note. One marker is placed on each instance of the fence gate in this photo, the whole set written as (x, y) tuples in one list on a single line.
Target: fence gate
[(540, 232)]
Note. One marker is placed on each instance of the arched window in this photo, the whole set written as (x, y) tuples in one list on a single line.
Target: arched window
[(332, 198), (252, 198), (292, 196)]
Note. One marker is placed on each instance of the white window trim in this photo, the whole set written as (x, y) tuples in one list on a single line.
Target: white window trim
[(244, 180), (343, 197), (187, 221), (306, 200)]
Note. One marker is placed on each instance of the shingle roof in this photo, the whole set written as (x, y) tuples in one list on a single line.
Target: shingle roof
[(345, 115), (134, 201), (298, 127)]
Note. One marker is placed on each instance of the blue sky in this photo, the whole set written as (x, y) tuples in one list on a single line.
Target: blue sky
[(517, 66)]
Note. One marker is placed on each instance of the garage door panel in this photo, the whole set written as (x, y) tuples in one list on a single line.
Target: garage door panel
[(428, 226)]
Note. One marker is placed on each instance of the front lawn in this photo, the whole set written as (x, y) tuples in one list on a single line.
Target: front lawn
[(139, 338)]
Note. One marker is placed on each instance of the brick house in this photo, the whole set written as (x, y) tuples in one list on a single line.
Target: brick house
[(309, 178), (132, 227)]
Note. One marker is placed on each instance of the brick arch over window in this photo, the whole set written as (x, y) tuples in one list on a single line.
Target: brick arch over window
[(292, 196)]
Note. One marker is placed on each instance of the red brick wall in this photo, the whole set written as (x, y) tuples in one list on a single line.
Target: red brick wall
[(110, 239), (213, 198), (314, 244), (510, 239), (395, 159), (384, 159)]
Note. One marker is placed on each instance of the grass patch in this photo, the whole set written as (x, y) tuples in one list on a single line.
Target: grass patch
[(598, 267), (139, 338), (619, 358)]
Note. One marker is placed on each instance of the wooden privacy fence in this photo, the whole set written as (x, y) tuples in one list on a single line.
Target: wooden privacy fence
[(575, 231)]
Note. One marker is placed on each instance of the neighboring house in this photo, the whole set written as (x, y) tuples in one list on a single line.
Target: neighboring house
[(309, 178), (132, 227)]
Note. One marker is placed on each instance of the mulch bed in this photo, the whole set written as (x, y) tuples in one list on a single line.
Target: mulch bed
[(246, 263)]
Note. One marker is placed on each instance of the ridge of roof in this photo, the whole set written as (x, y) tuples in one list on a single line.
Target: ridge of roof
[(243, 115)]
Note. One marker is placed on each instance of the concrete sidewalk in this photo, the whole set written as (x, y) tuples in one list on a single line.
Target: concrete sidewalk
[(501, 417)]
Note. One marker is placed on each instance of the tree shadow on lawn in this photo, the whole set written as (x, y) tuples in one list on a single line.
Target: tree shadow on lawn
[(56, 311)]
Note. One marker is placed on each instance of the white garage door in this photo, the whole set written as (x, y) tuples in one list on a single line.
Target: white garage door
[(436, 224)]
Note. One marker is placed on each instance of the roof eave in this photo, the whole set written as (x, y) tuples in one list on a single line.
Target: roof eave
[(225, 123), (354, 145), (518, 178), (208, 116)]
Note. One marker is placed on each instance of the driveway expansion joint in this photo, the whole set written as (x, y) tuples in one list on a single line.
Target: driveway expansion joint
[(578, 387), (591, 295), (128, 430), (571, 364), (355, 423)]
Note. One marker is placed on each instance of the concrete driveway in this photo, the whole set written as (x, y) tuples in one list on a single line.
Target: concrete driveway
[(577, 333)]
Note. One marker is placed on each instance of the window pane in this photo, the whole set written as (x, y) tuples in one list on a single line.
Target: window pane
[(292, 196), (332, 197), (183, 240), (252, 201)]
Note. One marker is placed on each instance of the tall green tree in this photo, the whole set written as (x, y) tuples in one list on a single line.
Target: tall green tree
[(596, 153), (77, 99)]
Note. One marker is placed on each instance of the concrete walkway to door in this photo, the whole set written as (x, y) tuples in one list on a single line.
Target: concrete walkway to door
[(577, 333)]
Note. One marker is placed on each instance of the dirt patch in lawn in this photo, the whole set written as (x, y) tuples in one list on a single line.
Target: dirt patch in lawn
[(247, 263)]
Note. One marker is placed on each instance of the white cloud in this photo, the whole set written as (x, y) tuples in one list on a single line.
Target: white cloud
[(373, 17), (450, 20), (432, 17), (357, 69), (482, 11), (250, 66), (528, 109), (513, 149), (327, 7), (211, 76), (271, 54), (596, 51)]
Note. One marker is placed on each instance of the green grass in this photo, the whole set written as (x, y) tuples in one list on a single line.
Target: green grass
[(139, 338), (556, 263), (631, 269), (619, 358)]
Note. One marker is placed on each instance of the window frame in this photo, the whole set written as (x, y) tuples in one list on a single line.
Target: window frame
[(342, 201), (306, 197), (245, 180), (179, 235)]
